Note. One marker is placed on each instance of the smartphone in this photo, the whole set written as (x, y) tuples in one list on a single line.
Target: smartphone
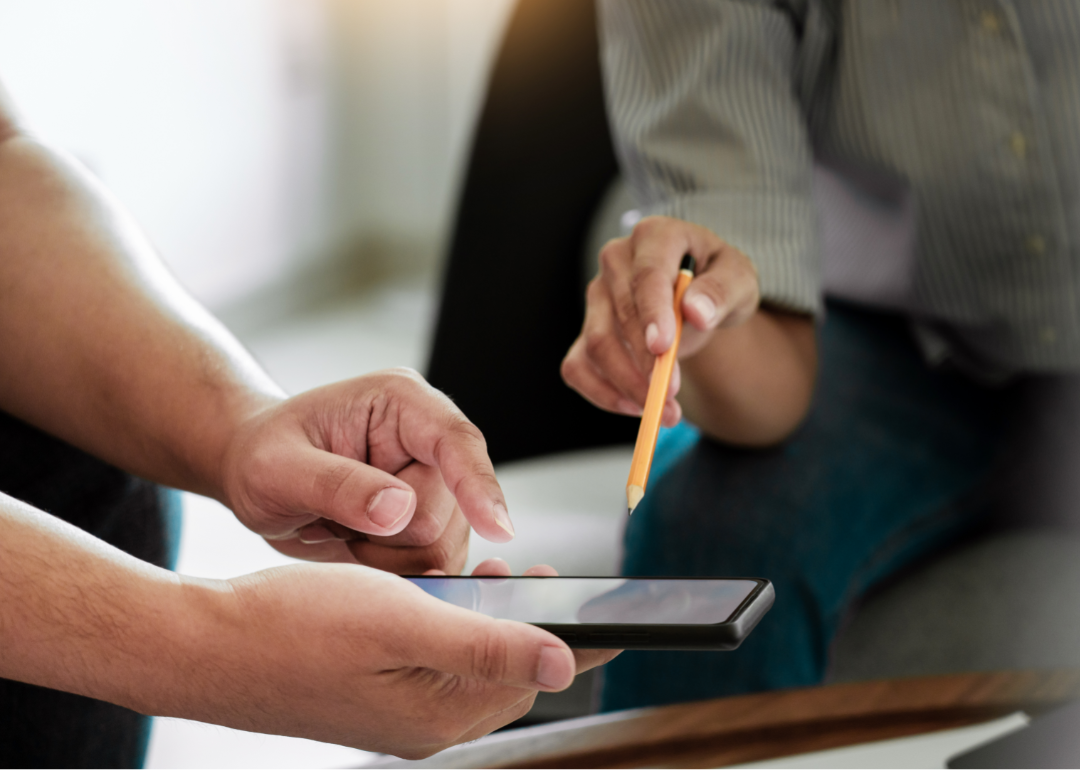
[(638, 613)]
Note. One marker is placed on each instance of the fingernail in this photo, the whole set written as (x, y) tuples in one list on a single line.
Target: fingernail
[(502, 518), (387, 507), (652, 332), (628, 407), (555, 664), (706, 307), (315, 533)]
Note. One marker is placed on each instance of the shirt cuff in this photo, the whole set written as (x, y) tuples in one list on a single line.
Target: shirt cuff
[(779, 234)]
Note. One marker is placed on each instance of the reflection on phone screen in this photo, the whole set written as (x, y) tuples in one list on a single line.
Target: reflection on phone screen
[(594, 600)]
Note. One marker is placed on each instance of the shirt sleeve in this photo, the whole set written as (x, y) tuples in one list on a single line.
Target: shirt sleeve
[(703, 97)]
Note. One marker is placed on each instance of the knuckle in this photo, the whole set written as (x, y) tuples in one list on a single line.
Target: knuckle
[(569, 369), (463, 430), (438, 555), (489, 657), (598, 346), (329, 481), (625, 309), (461, 437), (402, 377), (648, 227), (716, 289), (424, 531), (612, 254), (642, 278), (407, 372), (594, 291)]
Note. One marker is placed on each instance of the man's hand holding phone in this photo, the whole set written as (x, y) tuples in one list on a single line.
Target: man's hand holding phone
[(375, 663)]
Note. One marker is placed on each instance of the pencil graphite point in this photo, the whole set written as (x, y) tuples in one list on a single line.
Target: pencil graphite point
[(634, 493)]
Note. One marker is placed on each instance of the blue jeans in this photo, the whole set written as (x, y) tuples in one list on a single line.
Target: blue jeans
[(885, 471)]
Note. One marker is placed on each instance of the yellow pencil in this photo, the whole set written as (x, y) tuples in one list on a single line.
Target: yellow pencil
[(657, 397)]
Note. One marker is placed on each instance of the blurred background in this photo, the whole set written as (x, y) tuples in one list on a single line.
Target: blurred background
[(265, 145)]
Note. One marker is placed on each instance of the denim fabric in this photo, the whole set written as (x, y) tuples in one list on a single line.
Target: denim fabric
[(47, 728), (885, 471)]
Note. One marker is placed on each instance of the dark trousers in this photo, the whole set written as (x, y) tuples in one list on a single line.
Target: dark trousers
[(893, 464), (48, 728)]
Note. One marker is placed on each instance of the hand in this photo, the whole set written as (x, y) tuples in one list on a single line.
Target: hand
[(496, 567), (629, 318), (359, 657), (381, 469)]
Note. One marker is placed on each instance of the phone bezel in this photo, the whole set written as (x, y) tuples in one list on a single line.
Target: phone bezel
[(658, 636)]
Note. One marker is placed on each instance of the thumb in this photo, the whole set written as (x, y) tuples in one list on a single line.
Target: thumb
[(724, 293), (325, 485), (465, 643)]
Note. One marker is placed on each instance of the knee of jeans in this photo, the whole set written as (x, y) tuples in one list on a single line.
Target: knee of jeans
[(670, 536), (711, 513)]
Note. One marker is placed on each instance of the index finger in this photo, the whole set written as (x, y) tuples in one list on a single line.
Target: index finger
[(659, 244), (439, 434)]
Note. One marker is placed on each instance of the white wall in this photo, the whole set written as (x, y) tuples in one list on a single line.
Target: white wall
[(410, 76), (253, 137)]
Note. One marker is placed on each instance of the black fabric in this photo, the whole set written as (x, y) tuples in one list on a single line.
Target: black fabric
[(47, 728), (513, 298)]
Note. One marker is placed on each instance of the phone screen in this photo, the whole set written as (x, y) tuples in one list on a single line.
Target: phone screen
[(594, 600)]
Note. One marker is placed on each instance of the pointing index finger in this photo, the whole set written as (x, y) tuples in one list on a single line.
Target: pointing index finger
[(659, 245), (439, 434)]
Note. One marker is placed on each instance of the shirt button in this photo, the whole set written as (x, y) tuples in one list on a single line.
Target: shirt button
[(991, 22), (1047, 335), (1018, 143), (1036, 245)]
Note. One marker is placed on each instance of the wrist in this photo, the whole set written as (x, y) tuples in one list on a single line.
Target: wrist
[(195, 629), (221, 442), (751, 385)]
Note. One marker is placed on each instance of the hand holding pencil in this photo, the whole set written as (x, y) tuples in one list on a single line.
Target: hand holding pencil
[(630, 317)]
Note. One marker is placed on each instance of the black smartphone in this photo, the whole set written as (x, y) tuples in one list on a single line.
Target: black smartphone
[(639, 613)]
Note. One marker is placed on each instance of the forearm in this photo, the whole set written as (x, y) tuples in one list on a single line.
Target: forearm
[(98, 344), (81, 616), (751, 385)]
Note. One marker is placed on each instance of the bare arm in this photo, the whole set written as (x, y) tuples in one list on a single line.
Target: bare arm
[(336, 653), (98, 344), (751, 385)]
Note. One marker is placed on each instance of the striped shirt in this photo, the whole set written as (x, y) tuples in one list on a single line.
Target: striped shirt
[(936, 143)]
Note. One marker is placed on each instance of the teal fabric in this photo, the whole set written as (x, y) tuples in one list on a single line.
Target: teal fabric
[(172, 505), (886, 470)]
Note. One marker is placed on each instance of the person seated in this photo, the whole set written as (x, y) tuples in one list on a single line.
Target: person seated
[(112, 374), (843, 420)]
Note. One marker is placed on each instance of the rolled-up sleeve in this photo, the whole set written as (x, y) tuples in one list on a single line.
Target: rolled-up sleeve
[(709, 128)]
